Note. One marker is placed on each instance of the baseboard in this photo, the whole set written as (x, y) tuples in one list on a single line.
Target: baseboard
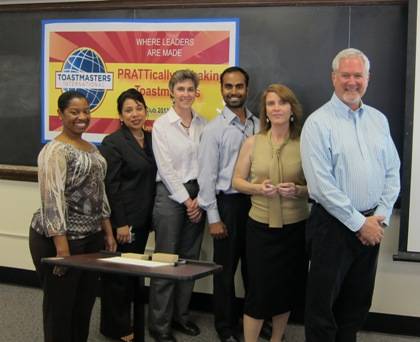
[(376, 322), (18, 276), (392, 324)]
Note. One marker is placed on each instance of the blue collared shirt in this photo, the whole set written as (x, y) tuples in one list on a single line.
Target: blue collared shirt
[(350, 162), (219, 146)]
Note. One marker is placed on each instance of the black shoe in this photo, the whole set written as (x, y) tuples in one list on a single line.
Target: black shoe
[(188, 328), (228, 338), (266, 330), (162, 337)]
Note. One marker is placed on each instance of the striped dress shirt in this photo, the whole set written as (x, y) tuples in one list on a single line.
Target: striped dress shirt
[(219, 147), (350, 162)]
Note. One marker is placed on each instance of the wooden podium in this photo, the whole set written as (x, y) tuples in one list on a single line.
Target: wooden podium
[(186, 270)]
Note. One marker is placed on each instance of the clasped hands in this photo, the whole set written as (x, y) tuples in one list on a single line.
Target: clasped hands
[(123, 234), (288, 190), (372, 231), (194, 212)]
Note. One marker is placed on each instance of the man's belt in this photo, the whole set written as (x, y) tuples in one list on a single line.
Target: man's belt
[(368, 212)]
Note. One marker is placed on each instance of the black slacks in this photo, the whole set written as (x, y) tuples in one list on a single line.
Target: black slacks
[(118, 292), (233, 210), (340, 281), (68, 300)]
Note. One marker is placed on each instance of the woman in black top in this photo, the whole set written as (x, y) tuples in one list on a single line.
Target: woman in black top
[(130, 186)]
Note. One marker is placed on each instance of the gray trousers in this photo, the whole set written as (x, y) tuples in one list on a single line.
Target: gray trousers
[(174, 233)]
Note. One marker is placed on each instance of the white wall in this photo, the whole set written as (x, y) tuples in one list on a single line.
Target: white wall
[(397, 283), (413, 244), (18, 201)]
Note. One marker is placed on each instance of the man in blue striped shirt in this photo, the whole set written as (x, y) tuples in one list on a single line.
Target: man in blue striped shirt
[(352, 169)]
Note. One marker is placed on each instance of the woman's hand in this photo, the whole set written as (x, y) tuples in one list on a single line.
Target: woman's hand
[(62, 248), (110, 243), (194, 212), (59, 271), (288, 190), (123, 235), (196, 216), (267, 189)]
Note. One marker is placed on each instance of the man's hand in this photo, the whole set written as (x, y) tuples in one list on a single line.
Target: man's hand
[(371, 232), (218, 230)]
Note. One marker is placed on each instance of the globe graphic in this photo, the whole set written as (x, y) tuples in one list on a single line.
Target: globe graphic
[(86, 60)]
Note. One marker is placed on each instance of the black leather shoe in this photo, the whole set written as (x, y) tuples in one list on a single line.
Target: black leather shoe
[(231, 338), (162, 337), (188, 328)]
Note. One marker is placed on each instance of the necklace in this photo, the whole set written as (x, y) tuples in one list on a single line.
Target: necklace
[(185, 126), (139, 137), (187, 116)]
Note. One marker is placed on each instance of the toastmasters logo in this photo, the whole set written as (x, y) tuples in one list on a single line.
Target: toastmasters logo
[(84, 71)]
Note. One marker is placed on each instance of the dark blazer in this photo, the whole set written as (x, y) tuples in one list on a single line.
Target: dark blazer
[(131, 178)]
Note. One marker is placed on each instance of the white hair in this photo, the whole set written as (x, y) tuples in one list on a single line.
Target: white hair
[(348, 53)]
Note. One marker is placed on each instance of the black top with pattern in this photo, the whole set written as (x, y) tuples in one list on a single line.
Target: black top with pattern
[(73, 199)]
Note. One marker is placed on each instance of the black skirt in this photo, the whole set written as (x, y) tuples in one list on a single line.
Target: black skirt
[(277, 269)]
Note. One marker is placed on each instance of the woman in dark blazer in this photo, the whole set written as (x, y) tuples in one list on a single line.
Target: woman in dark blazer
[(130, 186)]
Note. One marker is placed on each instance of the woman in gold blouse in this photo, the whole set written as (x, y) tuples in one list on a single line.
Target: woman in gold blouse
[(269, 168)]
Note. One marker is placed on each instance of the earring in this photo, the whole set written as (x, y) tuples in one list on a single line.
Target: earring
[(267, 119), (292, 117)]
